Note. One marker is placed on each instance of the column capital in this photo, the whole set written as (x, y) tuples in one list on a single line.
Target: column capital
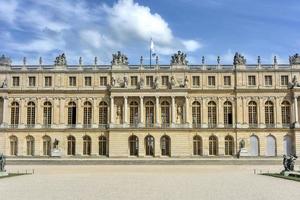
[(157, 97), (141, 97), (126, 97)]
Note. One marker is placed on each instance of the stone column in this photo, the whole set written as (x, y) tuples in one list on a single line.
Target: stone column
[(125, 111), (157, 118), (220, 113), (39, 113), (79, 117), (95, 114), (187, 112), (62, 111), (204, 113), (173, 111), (23, 113), (261, 112), (112, 110), (5, 116), (278, 118), (141, 111), (245, 113), (296, 111)]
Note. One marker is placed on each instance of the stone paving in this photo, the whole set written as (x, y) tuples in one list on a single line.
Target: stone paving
[(147, 182)]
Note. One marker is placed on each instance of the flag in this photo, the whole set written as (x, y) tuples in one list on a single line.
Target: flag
[(153, 54)]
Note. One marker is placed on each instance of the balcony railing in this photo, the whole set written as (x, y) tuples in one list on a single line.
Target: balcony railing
[(270, 125), (286, 125), (103, 126), (71, 126), (196, 125), (228, 125), (165, 125), (149, 125), (212, 125), (253, 125), (134, 125)]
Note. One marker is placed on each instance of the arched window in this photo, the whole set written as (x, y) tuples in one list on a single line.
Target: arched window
[(228, 114), (254, 145), (87, 145), (149, 114), (46, 145), (13, 140), (213, 145), (197, 145), (87, 113), (134, 113), (149, 145), (229, 145), (133, 145), (47, 119), (252, 113), (212, 114), (72, 113), (15, 113), (30, 114), (165, 144), (287, 145), (271, 146), (71, 145), (103, 116), (165, 113), (196, 114), (285, 112), (102, 146), (269, 113), (30, 145)]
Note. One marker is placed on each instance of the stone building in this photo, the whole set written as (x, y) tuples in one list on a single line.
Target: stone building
[(175, 110)]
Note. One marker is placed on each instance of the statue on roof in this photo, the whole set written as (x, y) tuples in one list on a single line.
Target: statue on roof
[(60, 60), (239, 59), (295, 59), (5, 60), (179, 58), (119, 59)]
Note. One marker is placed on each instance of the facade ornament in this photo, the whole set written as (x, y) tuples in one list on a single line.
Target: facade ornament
[(60, 60), (275, 60), (203, 60), (294, 83), (173, 81), (156, 60), (218, 60), (5, 60), (119, 59), (80, 61), (258, 60), (179, 58), (24, 60), (95, 60), (40, 61), (113, 81), (125, 82), (142, 83), (186, 81), (141, 60), (2, 163), (295, 59), (156, 82), (4, 83), (239, 59)]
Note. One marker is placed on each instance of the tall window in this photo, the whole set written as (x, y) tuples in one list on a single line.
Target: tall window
[(165, 80), (165, 145), (30, 114), (197, 145), (133, 80), (227, 80), (284, 80), (102, 146), (211, 81), (251, 80), (149, 81), (103, 110), (31, 81), (88, 81), (71, 145), (87, 113), (48, 81), (268, 80), (252, 113), (46, 145), (229, 145), (134, 113), (14, 114), (72, 113), (213, 145), (149, 145), (47, 113), (285, 112), (87, 145), (103, 81), (30, 145), (13, 141), (72, 81), (227, 113), (269, 113), (212, 114), (133, 145), (16, 81), (196, 81), (165, 113), (149, 113), (196, 114)]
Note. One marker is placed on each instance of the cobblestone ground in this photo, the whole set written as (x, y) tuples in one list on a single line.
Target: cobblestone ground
[(147, 182)]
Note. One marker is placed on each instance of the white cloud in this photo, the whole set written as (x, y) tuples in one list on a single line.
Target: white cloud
[(7, 11), (91, 37), (191, 45)]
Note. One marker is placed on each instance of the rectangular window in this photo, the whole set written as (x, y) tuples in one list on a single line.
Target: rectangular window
[(251, 80), (88, 81), (31, 81), (72, 81), (268, 80), (133, 80), (165, 80), (284, 80), (196, 81), (48, 81), (211, 80), (103, 80), (16, 81), (227, 80), (149, 81)]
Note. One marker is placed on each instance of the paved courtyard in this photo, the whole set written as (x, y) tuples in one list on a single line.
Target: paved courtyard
[(147, 182)]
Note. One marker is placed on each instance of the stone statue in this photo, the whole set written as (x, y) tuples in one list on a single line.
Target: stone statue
[(24, 60), (141, 60), (179, 58), (125, 82), (258, 60), (55, 143), (275, 60), (289, 162), (156, 82), (119, 59), (5, 60), (218, 60), (203, 60), (156, 60), (173, 81), (95, 60), (242, 144), (40, 61), (113, 81), (4, 83), (294, 83), (142, 83), (179, 114), (80, 61), (186, 82), (60, 60), (295, 59), (2, 163), (239, 59)]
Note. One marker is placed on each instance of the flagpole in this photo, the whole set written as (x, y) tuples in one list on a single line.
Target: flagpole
[(150, 52)]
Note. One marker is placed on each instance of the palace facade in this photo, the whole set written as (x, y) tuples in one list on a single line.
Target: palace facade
[(175, 110)]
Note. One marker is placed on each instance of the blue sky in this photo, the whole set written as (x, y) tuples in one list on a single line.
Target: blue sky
[(207, 28)]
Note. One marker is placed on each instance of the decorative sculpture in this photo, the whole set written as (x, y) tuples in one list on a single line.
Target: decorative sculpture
[(4, 83), (218, 60), (125, 82), (186, 82), (141, 60), (173, 81), (142, 83), (275, 60), (119, 59), (294, 83), (239, 59), (5, 60), (55, 143), (24, 60), (95, 60), (295, 59), (80, 61), (40, 61), (258, 60), (203, 60), (156, 83), (60, 60), (156, 60), (113, 81), (289, 162), (179, 58), (2, 163)]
